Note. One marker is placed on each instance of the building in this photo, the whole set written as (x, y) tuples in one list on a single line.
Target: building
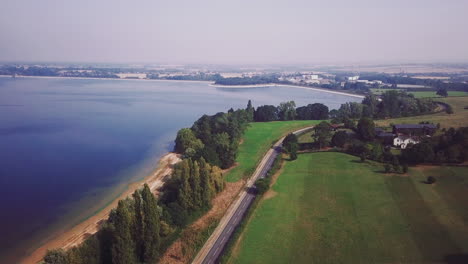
[(404, 141), (353, 78), (411, 133), (414, 129)]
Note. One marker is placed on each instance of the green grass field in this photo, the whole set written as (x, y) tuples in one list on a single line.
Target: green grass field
[(258, 138), (330, 208), (423, 94)]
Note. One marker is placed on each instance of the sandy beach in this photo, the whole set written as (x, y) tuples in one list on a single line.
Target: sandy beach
[(80, 232), (286, 85)]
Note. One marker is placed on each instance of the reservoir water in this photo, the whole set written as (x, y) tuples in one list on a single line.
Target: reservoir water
[(67, 146)]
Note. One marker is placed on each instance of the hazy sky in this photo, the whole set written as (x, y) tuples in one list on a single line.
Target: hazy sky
[(236, 31)]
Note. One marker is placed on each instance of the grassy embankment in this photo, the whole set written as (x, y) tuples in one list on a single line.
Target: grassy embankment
[(330, 208), (258, 138)]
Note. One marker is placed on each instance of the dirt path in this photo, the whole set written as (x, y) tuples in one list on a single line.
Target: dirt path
[(80, 232)]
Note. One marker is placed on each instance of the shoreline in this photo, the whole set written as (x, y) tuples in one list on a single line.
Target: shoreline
[(286, 85), (79, 232), (210, 83), (95, 78)]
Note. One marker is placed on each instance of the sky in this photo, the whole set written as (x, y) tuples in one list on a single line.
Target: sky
[(234, 32)]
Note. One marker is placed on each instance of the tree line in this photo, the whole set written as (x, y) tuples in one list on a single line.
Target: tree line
[(391, 104)]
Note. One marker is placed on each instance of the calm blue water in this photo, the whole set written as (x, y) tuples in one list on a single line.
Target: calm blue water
[(63, 140)]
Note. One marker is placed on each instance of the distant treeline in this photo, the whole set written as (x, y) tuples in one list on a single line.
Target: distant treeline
[(263, 79)]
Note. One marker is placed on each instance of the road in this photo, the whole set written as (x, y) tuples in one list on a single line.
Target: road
[(215, 244)]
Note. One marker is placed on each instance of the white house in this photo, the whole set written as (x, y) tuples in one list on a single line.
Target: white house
[(353, 78), (403, 141)]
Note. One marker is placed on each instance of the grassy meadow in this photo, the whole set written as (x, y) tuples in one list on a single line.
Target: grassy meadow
[(258, 138), (330, 208)]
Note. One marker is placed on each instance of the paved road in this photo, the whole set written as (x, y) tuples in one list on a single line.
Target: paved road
[(214, 246)]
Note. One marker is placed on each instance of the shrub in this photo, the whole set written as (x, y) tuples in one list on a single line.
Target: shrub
[(262, 185), (387, 168), (430, 180)]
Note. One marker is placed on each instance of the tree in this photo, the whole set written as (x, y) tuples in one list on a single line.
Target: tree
[(250, 111), (366, 129), (315, 111), (55, 256), (290, 142), (363, 157), (138, 225), (287, 111), (262, 185), (266, 113), (442, 91), (339, 139), (123, 246), (387, 168), (322, 134), (151, 224), (187, 143), (430, 180)]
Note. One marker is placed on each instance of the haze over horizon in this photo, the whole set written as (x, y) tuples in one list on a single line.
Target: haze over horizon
[(237, 32)]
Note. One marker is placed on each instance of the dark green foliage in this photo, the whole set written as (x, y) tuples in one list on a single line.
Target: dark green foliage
[(250, 111), (366, 129), (151, 226), (442, 91), (322, 134), (262, 185), (315, 111), (430, 180), (450, 147), (362, 157), (266, 113), (123, 245), (264, 79), (55, 256), (215, 138), (291, 146), (448, 109), (190, 189), (186, 143), (387, 168), (405, 168), (339, 139), (419, 153), (287, 111)]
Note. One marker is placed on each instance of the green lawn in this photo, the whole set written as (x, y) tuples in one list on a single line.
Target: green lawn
[(330, 208), (258, 138)]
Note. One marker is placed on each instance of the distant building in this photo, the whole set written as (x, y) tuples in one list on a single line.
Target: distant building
[(414, 129), (353, 78), (411, 133), (404, 141)]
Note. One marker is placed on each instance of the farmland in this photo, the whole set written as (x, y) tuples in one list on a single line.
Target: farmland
[(330, 208)]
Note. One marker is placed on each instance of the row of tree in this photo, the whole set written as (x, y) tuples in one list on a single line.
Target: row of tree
[(140, 228), (391, 104), (288, 111)]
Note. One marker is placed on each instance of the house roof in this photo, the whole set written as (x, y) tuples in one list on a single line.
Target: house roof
[(385, 134), (414, 126)]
